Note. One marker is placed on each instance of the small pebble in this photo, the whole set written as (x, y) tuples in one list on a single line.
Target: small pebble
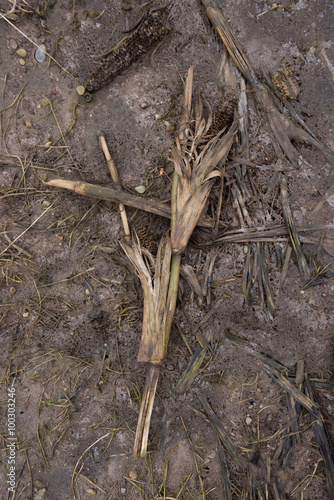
[(38, 483), (123, 490), (43, 39), (170, 367), (144, 105), (22, 53), (91, 491), (245, 249), (45, 203), (40, 55), (158, 116), (133, 474), (140, 189), (25, 315), (12, 290), (57, 78), (22, 62), (13, 44), (81, 90), (248, 420), (169, 127), (28, 124), (330, 201), (48, 144), (40, 495), (39, 106)]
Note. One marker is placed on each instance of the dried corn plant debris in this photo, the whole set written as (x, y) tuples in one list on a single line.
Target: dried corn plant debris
[(149, 30), (75, 306), (283, 129)]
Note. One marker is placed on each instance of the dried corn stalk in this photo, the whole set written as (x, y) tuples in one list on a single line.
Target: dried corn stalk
[(194, 174)]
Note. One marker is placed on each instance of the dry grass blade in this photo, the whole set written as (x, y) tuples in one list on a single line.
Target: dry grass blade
[(326, 197), (265, 355), (263, 280), (243, 124), (284, 130), (292, 438), (195, 168), (192, 369), (247, 279), (256, 270), (222, 433), (223, 467), (323, 437), (207, 273), (270, 234), (188, 273), (289, 219), (291, 389), (285, 266)]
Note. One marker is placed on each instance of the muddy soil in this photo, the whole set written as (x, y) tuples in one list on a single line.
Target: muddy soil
[(71, 309)]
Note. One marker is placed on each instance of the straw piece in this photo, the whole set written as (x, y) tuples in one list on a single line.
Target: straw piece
[(285, 266), (192, 370), (323, 437), (115, 177), (223, 467), (265, 355), (247, 278), (291, 389), (153, 206), (146, 408), (290, 221), (263, 279), (268, 234), (230, 447), (207, 273), (328, 194), (189, 274)]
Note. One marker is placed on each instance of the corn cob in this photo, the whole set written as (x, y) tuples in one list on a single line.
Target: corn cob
[(149, 31)]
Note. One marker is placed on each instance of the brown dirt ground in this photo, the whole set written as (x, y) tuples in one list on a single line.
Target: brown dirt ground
[(71, 358)]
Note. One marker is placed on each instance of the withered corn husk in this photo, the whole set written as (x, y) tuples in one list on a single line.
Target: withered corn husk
[(195, 167), (154, 339)]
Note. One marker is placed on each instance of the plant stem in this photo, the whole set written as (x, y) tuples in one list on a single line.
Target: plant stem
[(146, 407)]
